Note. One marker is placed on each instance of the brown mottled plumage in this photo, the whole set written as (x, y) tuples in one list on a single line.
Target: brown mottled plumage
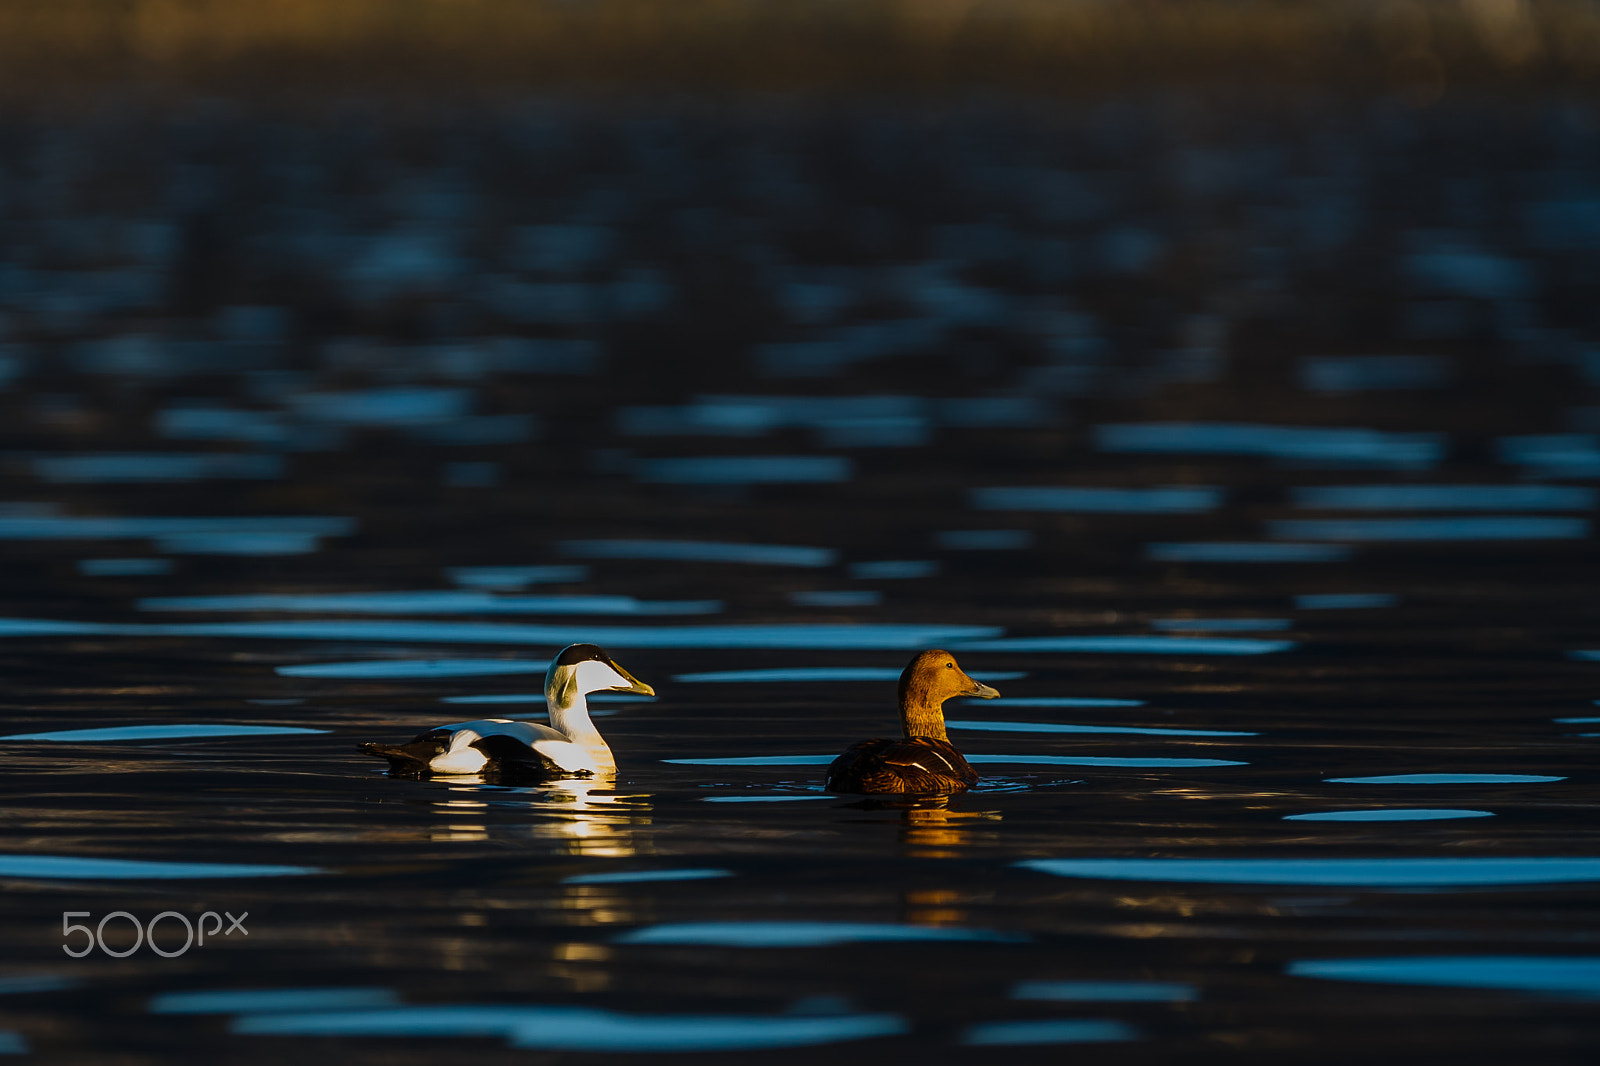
[(925, 761)]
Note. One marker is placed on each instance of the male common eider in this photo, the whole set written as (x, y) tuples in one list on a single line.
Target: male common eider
[(570, 746), (925, 761)]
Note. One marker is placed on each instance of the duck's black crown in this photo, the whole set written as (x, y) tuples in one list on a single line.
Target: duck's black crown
[(574, 654)]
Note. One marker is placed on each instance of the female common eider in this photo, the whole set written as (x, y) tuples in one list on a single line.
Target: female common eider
[(925, 761), (570, 746)]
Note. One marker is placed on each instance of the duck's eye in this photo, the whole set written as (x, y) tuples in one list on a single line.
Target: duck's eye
[(949, 666)]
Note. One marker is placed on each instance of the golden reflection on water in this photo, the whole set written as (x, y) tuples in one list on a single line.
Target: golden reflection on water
[(576, 964), (934, 831), (935, 907), (596, 905), (591, 818), (453, 831), (577, 951), (586, 816)]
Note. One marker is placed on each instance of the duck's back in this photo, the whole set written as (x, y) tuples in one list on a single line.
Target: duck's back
[(915, 764)]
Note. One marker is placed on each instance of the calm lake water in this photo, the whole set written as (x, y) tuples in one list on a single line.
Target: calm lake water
[(1250, 450)]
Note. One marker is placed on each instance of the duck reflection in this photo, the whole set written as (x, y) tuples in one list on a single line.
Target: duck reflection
[(582, 816), (931, 830), (460, 823), (590, 817)]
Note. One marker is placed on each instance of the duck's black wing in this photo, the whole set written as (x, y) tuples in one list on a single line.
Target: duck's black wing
[(413, 756), (916, 764), (511, 759)]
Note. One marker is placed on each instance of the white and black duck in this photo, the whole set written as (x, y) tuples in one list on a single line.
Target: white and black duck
[(570, 746)]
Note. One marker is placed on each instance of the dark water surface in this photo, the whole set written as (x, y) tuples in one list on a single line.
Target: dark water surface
[(1249, 452)]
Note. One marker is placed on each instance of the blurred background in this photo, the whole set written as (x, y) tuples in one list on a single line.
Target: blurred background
[(1222, 363)]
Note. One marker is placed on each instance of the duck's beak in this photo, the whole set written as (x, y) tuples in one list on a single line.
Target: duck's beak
[(983, 691), (634, 684)]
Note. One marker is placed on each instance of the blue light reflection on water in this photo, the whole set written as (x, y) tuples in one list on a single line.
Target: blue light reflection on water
[(579, 1028), (232, 1001), (1106, 991), (423, 668), (1169, 499), (836, 598), (498, 697), (1554, 455), (1390, 814), (765, 799), (1023, 760), (1131, 645), (1048, 1031), (429, 601), (1058, 727), (161, 732), (986, 540), (1446, 779), (71, 527), (1059, 701), (1475, 527), (399, 406), (757, 760), (1220, 625), (632, 877), (502, 578), (1222, 551), (153, 467), (746, 470), (1372, 873), (864, 637), (1084, 760), (1445, 498), (1333, 446), (805, 934), (893, 569), (703, 551), (75, 868), (1551, 974), (269, 542), (1345, 601), (1354, 373), (124, 567), (826, 673), (27, 983)]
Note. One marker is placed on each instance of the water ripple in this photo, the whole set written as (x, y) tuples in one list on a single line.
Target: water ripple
[(1057, 727), (74, 868), (1446, 779), (1132, 645), (1556, 974), (560, 1028), (429, 602), (863, 637), (1372, 873), (1049, 1031), (631, 877), (805, 934), (825, 673), (161, 732), (1389, 814), (232, 1001)]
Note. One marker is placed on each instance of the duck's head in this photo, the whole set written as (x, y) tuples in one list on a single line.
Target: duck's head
[(585, 668), (933, 677)]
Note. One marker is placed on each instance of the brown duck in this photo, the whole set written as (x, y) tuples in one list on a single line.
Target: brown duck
[(925, 761)]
